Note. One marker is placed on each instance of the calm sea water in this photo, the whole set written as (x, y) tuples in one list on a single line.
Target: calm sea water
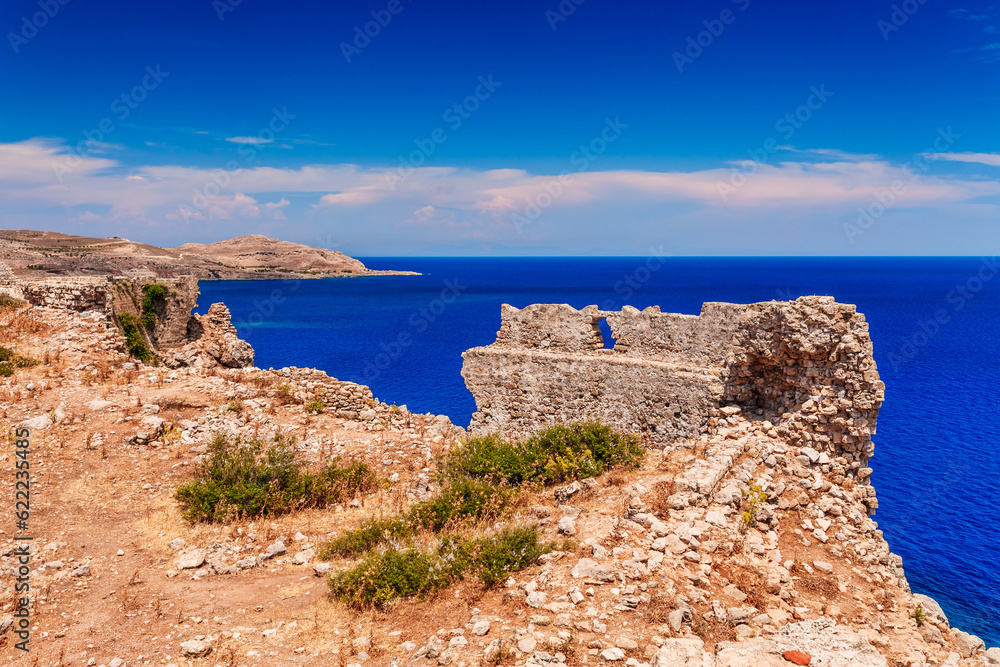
[(935, 325)]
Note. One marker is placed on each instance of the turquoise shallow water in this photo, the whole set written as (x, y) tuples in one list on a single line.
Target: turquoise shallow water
[(935, 323)]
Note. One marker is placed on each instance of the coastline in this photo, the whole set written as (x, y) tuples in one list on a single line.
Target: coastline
[(808, 595)]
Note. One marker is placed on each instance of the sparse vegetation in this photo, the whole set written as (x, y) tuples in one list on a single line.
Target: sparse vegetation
[(384, 577), (7, 302), (752, 499), (314, 406), (155, 293), (244, 479), (919, 615), (558, 454), (9, 360), (135, 342), (461, 503), (480, 484)]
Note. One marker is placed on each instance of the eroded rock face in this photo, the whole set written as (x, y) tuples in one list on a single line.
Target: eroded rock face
[(213, 341), (175, 335)]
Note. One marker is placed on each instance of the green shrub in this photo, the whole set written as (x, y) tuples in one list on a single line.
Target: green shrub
[(135, 343), (509, 551), (383, 578), (461, 502), (315, 406), (9, 360), (753, 498), (560, 453), (254, 478), (155, 293), (361, 540)]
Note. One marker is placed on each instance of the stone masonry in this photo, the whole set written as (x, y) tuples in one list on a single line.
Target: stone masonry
[(78, 294), (806, 366), (176, 336)]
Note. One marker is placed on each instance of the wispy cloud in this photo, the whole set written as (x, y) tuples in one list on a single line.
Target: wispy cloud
[(992, 159), (967, 15), (249, 140), (439, 206)]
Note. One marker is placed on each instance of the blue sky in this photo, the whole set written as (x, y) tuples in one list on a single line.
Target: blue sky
[(728, 127)]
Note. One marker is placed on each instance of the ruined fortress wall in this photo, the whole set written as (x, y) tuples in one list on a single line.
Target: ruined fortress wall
[(69, 294), (806, 366), (175, 335), (173, 314), (118, 296), (518, 391), (703, 339)]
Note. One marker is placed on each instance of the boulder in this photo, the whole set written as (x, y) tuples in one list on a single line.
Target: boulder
[(967, 645), (932, 610), (37, 423), (590, 569), (196, 648), (566, 526), (822, 640), (682, 653), (192, 559), (276, 549)]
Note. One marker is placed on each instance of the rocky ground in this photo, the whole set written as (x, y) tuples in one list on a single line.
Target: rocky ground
[(34, 254), (656, 567)]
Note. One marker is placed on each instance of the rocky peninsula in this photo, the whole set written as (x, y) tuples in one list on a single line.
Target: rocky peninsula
[(34, 255), (744, 537)]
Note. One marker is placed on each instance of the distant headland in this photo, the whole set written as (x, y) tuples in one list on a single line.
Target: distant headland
[(36, 254)]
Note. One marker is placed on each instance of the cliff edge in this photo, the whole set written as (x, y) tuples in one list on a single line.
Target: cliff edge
[(743, 539)]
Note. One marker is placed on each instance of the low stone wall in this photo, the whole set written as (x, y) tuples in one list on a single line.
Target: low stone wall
[(345, 399), (77, 294), (806, 366)]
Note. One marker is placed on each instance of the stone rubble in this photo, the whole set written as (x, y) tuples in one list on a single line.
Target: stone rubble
[(742, 542)]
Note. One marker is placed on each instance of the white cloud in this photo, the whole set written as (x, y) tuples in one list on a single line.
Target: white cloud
[(274, 208), (437, 206), (992, 159), (249, 140)]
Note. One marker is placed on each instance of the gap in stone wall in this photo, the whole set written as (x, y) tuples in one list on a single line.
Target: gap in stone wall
[(606, 335)]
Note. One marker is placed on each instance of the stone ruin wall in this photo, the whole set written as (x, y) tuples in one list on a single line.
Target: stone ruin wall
[(78, 294), (806, 366), (180, 338)]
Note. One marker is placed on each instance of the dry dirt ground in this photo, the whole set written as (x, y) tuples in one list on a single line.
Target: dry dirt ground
[(102, 498)]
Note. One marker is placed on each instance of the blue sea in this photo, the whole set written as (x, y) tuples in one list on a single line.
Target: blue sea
[(935, 323)]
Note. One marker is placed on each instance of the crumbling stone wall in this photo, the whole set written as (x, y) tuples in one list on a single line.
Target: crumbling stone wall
[(173, 313), (176, 336), (806, 366), (345, 399), (78, 294)]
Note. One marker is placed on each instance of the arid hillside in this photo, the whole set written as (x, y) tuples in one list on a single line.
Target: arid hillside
[(34, 254)]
